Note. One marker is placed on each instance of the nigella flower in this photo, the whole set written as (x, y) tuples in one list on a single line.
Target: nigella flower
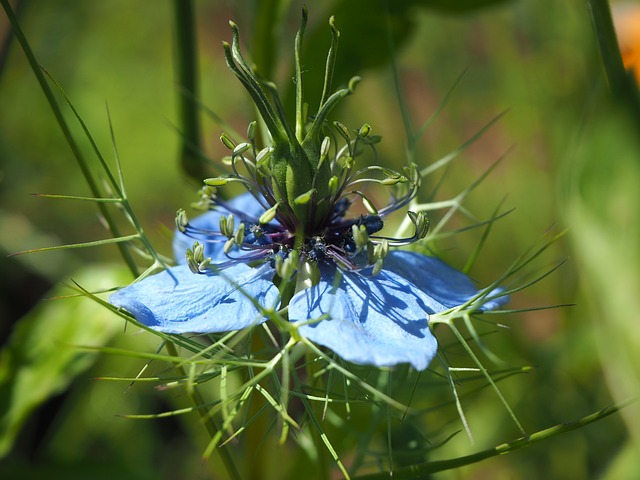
[(290, 241)]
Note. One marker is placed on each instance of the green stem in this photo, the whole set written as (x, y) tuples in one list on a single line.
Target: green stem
[(621, 84), (187, 79), (209, 422)]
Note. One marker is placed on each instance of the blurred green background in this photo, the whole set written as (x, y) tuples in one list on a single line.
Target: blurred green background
[(572, 160)]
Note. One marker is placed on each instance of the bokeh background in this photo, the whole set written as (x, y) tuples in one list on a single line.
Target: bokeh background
[(571, 160)]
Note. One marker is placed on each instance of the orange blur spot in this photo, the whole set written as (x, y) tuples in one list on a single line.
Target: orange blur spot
[(626, 18)]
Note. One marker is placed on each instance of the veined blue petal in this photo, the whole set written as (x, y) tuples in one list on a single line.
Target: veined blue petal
[(438, 280), (381, 320), (245, 203), (179, 301)]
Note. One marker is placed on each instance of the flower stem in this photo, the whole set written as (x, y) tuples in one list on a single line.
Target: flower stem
[(187, 80), (209, 422)]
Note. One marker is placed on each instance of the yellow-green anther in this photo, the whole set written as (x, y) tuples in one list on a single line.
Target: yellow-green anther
[(238, 236), (195, 258), (421, 223), (227, 160), (204, 264), (264, 154), (191, 263), (181, 220), (285, 268), (241, 148), (324, 147), (333, 185), (343, 128), (251, 131), (414, 174), (384, 248), (222, 224), (198, 252), (370, 207), (426, 224), (355, 233), (216, 181), (292, 263), (371, 252), (269, 215), (324, 151), (224, 138), (364, 130), (360, 237), (228, 245), (380, 251), (377, 267), (304, 198), (230, 225), (364, 235), (393, 180), (262, 161)]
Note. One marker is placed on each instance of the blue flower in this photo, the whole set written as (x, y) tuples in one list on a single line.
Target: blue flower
[(289, 242), (380, 320)]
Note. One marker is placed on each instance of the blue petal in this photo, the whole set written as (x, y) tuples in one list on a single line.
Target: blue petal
[(179, 301), (381, 320), (245, 203), (438, 280)]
